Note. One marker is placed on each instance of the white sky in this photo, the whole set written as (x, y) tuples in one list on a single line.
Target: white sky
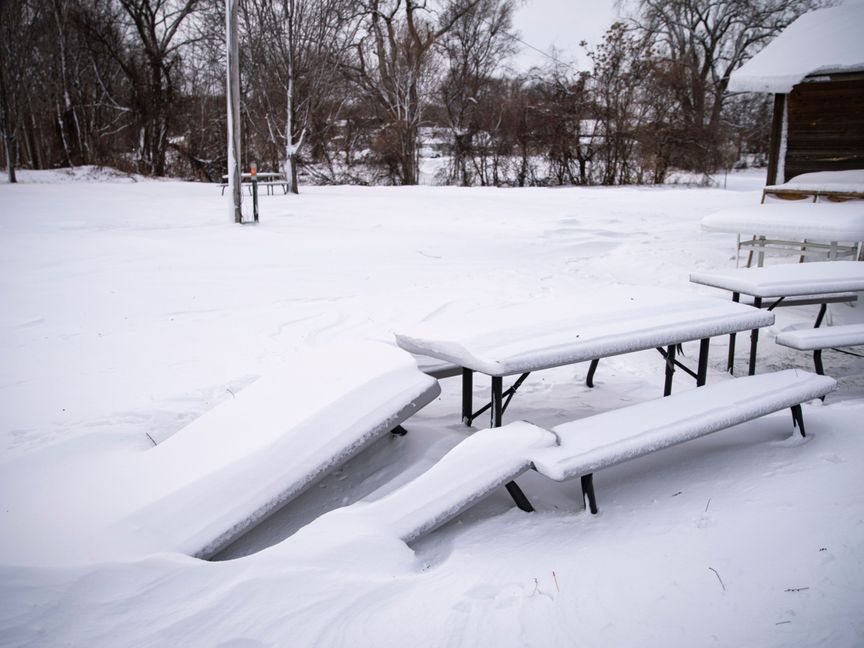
[(563, 24)]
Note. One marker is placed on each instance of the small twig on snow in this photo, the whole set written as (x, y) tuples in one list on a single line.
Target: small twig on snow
[(555, 578), (796, 589), (708, 504), (151, 438), (717, 574)]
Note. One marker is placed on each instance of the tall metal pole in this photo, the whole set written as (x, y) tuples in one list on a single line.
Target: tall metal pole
[(233, 97)]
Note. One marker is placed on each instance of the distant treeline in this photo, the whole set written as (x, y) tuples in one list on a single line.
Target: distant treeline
[(357, 90)]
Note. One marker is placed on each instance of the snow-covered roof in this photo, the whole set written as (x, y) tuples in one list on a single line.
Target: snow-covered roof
[(819, 42)]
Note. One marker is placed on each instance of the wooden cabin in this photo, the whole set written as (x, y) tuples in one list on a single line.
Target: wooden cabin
[(815, 70)]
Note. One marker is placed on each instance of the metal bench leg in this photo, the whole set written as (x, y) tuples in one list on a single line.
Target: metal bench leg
[(467, 394), (519, 497), (670, 369), (754, 339), (730, 363), (589, 380), (798, 419), (399, 431), (588, 493), (702, 371)]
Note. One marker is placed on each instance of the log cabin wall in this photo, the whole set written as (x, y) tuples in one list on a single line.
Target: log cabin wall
[(826, 125)]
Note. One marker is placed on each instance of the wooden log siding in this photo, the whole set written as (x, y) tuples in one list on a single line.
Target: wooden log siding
[(826, 126)]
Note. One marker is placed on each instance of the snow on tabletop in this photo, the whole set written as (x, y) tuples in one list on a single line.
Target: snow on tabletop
[(796, 221), (788, 279), (619, 435), (850, 181), (483, 462), (822, 41), (823, 337), (501, 340)]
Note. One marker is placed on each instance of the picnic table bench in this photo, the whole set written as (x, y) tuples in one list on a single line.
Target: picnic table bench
[(819, 339), (831, 231), (238, 463), (491, 458), (822, 282), (267, 179)]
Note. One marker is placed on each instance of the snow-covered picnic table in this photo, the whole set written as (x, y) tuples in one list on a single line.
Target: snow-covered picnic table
[(833, 229), (266, 179), (833, 185), (818, 283), (519, 338)]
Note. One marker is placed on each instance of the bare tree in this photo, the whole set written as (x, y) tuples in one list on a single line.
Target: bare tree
[(701, 43), (474, 49), (393, 66)]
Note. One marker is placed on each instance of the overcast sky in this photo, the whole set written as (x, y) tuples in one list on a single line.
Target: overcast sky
[(562, 23)]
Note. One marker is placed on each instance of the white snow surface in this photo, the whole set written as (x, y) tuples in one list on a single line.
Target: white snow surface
[(788, 280), (132, 309), (796, 221), (613, 437), (850, 180), (819, 42), (823, 337), (540, 334)]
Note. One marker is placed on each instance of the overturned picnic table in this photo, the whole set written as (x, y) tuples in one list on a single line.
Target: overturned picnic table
[(799, 284), (832, 230)]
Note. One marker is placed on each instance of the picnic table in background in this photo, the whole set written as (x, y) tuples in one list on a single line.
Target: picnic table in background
[(831, 231), (833, 185), (790, 284), (267, 179)]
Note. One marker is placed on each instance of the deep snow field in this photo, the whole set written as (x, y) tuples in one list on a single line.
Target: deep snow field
[(131, 306)]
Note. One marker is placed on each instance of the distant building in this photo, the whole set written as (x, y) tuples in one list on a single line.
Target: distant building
[(815, 69)]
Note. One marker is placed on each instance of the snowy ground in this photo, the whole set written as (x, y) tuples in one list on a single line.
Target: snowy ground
[(131, 307)]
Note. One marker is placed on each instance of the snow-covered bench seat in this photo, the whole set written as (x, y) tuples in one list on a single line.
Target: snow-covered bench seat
[(834, 185), (484, 462), (590, 444), (817, 339), (223, 473), (824, 229), (493, 457)]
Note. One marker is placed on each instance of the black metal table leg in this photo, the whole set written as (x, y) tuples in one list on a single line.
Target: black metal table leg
[(670, 369), (754, 339), (588, 492), (823, 308), (798, 419), (817, 361), (589, 380), (467, 393), (497, 412), (702, 370), (497, 401), (730, 363)]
